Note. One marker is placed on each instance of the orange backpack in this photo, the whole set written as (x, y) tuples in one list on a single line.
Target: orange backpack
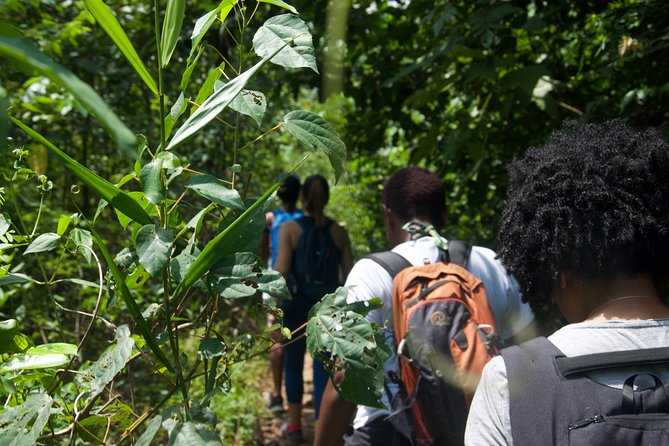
[(445, 334)]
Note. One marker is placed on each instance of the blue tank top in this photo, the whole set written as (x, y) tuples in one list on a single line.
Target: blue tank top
[(280, 217)]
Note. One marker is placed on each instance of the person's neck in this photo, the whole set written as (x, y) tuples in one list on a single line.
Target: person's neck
[(290, 208), (628, 298)]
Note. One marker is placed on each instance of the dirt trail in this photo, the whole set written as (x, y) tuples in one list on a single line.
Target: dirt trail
[(270, 427)]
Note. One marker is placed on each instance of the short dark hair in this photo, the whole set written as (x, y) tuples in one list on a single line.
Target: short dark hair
[(416, 193), (289, 190), (594, 200)]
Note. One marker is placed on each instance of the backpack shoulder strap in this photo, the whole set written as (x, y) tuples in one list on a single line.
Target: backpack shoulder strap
[(597, 361), (458, 252), (390, 261)]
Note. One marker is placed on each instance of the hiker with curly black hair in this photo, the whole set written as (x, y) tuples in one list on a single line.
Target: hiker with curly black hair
[(586, 228)]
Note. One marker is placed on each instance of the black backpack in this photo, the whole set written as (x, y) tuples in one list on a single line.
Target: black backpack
[(315, 269), (552, 402)]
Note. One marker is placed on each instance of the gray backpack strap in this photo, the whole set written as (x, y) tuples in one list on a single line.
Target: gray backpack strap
[(390, 261), (458, 252)]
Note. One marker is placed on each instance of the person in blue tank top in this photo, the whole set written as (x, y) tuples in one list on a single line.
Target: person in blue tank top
[(288, 193), (315, 257)]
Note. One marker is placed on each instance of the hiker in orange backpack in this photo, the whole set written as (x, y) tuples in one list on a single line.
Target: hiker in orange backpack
[(445, 305)]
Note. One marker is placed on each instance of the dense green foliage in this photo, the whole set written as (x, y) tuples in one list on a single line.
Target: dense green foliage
[(168, 218)]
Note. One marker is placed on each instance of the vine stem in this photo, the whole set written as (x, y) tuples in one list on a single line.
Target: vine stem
[(276, 127)]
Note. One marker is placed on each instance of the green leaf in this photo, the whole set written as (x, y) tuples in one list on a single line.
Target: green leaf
[(193, 434), (120, 200), (250, 103), (45, 242), (208, 85), (108, 22), (281, 4), (222, 244), (63, 223), (11, 339), (211, 188), (211, 348), (317, 134), (152, 181), (215, 104), (174, 18), (110, 363), (15, 279), (337, 330), (29, 362), (81, 238), (153, 248), (151, 430), (284, 29), (188, 72), (56, 348), (26, 56), (203, 24), (240, 275), (178, 108), (133, 308), (14, 420)]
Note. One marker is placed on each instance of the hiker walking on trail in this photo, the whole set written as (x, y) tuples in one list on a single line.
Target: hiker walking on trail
[(413, 204), (586, 227), (288, 193), (315, 257)]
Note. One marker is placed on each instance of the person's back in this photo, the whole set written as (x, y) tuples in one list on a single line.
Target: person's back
[(586, 226), (418, 195)]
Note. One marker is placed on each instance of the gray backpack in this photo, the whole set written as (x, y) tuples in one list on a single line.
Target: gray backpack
[(552, 402)]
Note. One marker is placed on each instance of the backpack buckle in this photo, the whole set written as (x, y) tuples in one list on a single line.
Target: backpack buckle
[(401, 351)]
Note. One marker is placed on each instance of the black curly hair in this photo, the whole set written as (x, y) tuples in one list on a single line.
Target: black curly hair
[(594, 200)]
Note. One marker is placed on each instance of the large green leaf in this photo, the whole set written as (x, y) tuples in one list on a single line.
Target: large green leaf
[(110, 363), (153, 248), (133, 308), (55, 348), (120, 200), (108, 22), (178, 108), (30, 362), (174, 18), (279, 30), (281, 4), (152, 181), (338, 331), (203, 24), (240, 275), (44, 242), (208, 85), (317, 134), (224, 243), (250, 103), (211, 188), (15, 420), (27, 57), (215, 104)]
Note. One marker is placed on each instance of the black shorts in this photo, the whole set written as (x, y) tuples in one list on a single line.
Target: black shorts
[(378, 432)]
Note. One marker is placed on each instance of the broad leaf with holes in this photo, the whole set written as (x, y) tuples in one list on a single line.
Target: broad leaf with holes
[(111, 363), (341, 338), (250, 103), (284, 29), (241, 275), (317, 135)]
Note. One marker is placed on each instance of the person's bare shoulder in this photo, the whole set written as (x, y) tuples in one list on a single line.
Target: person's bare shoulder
[(339, 234)]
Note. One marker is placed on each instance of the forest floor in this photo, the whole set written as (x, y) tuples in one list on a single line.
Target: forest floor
[(270, 426)]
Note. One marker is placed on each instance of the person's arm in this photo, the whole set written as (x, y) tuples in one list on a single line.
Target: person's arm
[(335, 417), (284, 258)]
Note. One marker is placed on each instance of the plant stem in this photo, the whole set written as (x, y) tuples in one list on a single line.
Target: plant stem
[(278, 126), (161, 95)]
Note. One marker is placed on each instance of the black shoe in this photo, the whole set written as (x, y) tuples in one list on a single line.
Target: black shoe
[(275, 403)]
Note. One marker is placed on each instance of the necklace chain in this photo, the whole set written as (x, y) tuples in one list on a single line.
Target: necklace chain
[(593, 312)]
